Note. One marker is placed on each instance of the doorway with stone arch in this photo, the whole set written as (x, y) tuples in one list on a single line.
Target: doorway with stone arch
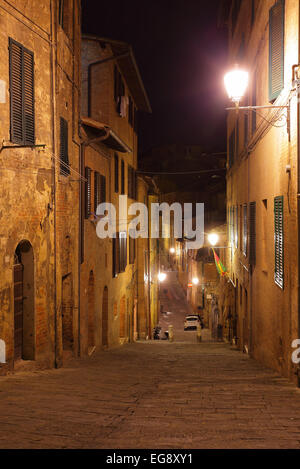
[(91, 312), (24, 308), (105, 317)]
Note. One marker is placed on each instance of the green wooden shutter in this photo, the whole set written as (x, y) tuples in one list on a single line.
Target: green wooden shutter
[(252, 233), (279, 241), (276, 50)]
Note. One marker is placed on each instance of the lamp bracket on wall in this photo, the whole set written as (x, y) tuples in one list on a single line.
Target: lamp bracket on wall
[(278, 121)]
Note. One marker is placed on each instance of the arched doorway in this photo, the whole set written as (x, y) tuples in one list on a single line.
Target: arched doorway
[(105, 317), (123, 318), (91, 311), (24, 313)]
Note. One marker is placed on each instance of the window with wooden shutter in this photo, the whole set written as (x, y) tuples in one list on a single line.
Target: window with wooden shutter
[(122, 177), (252, 233), (21, 78), (63, 151), (276, 50), (116, 255), (123, 251), (116, 173), (88, 207), (245, 229), (131, 250), (279, 241), (97, 190), (103, 189)]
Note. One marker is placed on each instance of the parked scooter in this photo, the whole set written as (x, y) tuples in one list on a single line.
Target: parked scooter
[(156, 333)]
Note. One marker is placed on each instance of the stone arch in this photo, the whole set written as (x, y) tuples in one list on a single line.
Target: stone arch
[(105, 317), (24, 308), (91, 311)]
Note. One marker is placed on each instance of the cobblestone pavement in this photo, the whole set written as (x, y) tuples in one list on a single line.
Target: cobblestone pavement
[(152, 395)]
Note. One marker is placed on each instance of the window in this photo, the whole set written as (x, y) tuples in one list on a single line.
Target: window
[(119, 92), (64, 152), (279, 241), (116, 173), (130, 111), (99, 189), (252, 233), (88, 208), (131, 250), (245, 230), (131, 182), (21, 82), (276, 50), (123, 250), (122, 177), (119, 253), (63, 15)]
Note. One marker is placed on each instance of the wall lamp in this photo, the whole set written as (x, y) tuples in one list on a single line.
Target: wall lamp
[(236, 83)]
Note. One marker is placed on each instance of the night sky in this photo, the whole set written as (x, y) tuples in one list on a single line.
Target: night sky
[(182, 57)]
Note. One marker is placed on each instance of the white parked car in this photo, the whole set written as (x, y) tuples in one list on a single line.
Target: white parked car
[(191, 322)]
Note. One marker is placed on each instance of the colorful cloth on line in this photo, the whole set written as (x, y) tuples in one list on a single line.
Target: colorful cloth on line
[(220, 267)]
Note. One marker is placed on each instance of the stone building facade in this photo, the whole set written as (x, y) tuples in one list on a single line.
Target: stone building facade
[(263, 182), (39, 163), (112, 94)]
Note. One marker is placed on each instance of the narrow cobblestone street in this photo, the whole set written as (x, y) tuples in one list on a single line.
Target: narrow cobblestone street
[(152, 395)]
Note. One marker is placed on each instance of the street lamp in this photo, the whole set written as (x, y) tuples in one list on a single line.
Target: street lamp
[(195, 280), (236, 82), (162, 276), (213, 239), (172, 250)]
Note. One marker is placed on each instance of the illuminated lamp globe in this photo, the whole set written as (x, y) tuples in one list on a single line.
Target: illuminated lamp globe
[(162, 276), (172, 250), (195, 281), (213, 239), (236, 83)]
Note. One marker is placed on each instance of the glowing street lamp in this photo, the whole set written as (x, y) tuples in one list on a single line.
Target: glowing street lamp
[(236, 83), (195, 280), (172, 250), (162, 276), (213, 239)]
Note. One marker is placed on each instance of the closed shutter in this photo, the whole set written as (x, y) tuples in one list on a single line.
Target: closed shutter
[(129, 171), (87, 192), (103, 189), (64, 152), (116, 255), (279, 241), (116, 173), (97, 188), (276, 50), (252, 233), (21, 77), (123, 250), (122, 177), (245, 230)]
